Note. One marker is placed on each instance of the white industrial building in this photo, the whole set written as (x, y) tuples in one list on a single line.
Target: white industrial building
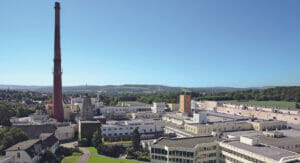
[(124, 109), (159, 108), (123, 128)]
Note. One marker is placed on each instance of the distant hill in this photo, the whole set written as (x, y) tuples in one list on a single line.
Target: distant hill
[(127, 88)]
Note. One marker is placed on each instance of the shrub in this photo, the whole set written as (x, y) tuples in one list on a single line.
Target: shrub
[(84, 142), (112, 151)]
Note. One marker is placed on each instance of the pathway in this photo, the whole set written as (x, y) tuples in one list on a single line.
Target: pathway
[(85, 157)]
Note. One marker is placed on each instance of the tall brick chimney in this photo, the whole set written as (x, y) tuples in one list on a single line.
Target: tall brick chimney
[(58, 113)]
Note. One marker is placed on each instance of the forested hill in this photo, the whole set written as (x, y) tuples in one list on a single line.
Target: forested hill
[(116, 89), (270, 94)]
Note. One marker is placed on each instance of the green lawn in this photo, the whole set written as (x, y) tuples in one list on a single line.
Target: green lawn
[(118, 142), (71, 159), (95, 158), (92, 150), (278, 104)]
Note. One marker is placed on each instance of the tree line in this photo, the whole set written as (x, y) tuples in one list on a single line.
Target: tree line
[(291, 94)]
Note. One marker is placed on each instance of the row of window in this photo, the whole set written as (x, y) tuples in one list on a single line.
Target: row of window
[(109, 129), (163, 158), (210, 161), (240, 155), (290, 147), (115, 134), (207, 155), (159, 151), (104, 129), (181, 153), (180, 160), (172, 153), (207, 148), (230, 159)]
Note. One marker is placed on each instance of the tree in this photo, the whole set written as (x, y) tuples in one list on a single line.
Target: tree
[(6, 111), (297, 106), (10, 137), (136, 140), (48, 157), (97, 138)]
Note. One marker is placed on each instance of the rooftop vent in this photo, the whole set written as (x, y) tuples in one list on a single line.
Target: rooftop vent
[(274, 134), (249, 140)]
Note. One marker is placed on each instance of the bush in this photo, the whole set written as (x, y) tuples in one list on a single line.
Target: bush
[(84, 142), (112, 151), (138, 155), (143, 156), (64, 152), (49, 157)]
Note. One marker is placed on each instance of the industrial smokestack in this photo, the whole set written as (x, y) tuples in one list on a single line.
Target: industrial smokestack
[(58, 113)]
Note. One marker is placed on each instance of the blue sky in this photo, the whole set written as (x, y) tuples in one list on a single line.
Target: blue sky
[(191, 43)]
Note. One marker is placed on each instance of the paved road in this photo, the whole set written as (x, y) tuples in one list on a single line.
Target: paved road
[(84, 158)]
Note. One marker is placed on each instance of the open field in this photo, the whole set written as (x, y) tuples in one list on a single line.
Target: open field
[(71, 159), (278, 104), (98, 158)]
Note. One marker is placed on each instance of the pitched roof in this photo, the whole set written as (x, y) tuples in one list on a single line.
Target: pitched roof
[(23, 145), (48, 139)]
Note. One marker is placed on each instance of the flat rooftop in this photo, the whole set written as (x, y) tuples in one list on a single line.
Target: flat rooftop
[(294, 126), (189, 142), (215, 123), (175, 116), (89, 122), (172, 125), (290, 137), (290, 133), (226, 116), (115, 123), (266, 151)]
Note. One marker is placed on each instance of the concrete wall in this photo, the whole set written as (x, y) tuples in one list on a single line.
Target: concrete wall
[(65, 133), (24, 157)]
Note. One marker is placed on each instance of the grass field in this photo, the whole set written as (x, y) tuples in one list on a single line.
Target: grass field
[(92, 150), (118, 143), (71, 159), (278, 104), (97, 158)]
